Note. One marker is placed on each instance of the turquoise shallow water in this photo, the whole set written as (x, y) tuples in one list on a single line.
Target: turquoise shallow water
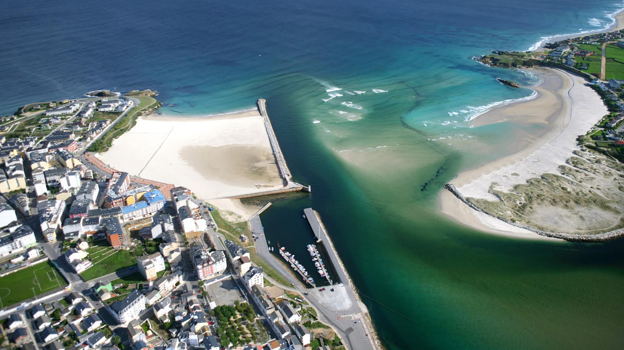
[(376, 161)]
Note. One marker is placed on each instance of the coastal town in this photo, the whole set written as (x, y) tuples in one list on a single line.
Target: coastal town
[(96, 258)]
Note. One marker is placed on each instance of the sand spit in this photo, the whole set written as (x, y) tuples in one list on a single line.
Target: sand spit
[(215, 156), (570, 109)]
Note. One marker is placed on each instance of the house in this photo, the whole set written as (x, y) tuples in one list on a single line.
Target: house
[(53, 176), (152, 203), (152, 297), (160, 224), (210, 343), (43, 322), (7, 215), (96, 340), (37, 311), (48, 334), (150, 265), (16, 237), (83, 309), (74, 298), (303, 334), (136, 331), (290, 315), (282, 330), (166, 284), (80, 208), (235, 252), (262, 299), (70, 181), (77, 259), (72, 228), (15, 321), (208, 264), (40, 184), (92, 322), (19, 336), (56, 345), (89, 190), (253, 277), (50, 215), (129, 308), (114, 232), (162, 309), (21, 202)]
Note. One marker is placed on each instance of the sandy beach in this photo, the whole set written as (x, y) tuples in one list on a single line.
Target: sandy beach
[(215, 156), (568, 107)]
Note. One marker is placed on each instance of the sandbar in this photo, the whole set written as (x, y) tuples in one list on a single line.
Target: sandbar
[(567, 106)]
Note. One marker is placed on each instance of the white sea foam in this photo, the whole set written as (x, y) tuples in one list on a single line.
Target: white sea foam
[(447, 122), (351, 105), (343, 112), (332, 89), (316, 121), (379, 91), (328, 99), (474, 112), (452, 113), (359, 92), (349, 93), (606, 27), (334, 94), (594, 22)]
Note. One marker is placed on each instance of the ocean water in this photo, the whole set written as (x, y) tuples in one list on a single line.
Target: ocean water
[(369, 100)]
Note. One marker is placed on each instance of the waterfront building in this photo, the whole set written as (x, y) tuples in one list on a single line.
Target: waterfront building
[(152, 202), (290, 315), (254, 277), (113, 230)]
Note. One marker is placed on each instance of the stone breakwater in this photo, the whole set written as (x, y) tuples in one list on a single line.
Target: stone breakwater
[(571, 237)]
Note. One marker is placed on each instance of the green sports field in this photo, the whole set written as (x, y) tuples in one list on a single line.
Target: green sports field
[(24, 284)]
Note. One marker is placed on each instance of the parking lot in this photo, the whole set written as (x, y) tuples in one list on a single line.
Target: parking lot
[(224, 292)]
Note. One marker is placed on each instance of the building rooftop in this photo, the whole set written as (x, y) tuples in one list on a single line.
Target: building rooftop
[(111, 226), (121, 305)]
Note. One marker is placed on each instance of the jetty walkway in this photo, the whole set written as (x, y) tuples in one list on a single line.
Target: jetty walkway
[(277, 151)]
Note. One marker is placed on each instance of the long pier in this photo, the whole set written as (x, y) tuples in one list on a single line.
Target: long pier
[(277, 151)]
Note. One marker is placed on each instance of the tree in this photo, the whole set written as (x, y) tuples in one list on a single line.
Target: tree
[(116, 340)]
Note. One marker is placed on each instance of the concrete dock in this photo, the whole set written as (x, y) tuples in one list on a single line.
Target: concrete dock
[(277, 151), (340, 308)]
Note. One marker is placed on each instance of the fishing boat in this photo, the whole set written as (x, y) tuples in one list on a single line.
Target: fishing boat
[(290, 258)]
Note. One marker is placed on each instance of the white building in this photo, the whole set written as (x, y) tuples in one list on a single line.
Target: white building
[(129, 308), (208, 264), (16, 238), (167, 284), (290, 315), (70, 181), (150, 265), (254, 277), (50, 215), (77, 259), (162, 308), (89, 190), (7, 215), (41, 186)]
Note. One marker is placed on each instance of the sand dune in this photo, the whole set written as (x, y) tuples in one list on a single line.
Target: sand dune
[(569, 108)]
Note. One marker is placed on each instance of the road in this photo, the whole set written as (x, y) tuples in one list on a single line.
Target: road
[(603, 67), (135, 104), (354, 335)]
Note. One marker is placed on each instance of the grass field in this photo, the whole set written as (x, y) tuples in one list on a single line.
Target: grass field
[(23, 284), (107, 260)]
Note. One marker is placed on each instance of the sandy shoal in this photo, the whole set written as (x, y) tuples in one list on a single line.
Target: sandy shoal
[(567, 107), (216, 157)]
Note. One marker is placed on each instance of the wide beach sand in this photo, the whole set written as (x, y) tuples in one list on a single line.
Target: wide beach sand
[(567, 107), (214, 156)]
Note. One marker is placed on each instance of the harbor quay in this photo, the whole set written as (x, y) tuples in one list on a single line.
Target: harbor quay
[(338, 305)]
